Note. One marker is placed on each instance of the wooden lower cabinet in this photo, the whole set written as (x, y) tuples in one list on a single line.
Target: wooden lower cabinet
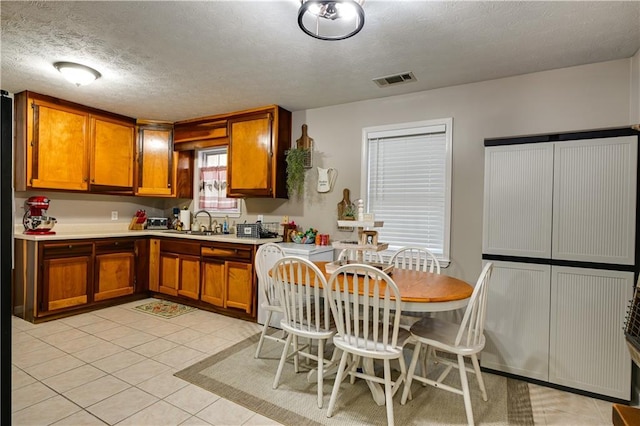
[(115, 269), (228, 284), (67, 271), (179, 273), (227, 276), (239, 288), (213, 283)]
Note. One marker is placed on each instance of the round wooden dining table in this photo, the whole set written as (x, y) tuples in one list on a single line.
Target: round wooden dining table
[(425, 291)]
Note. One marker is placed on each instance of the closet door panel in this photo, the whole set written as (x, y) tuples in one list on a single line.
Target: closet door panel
[(518, 186), (587, 349), (517, 324), (594, 200)]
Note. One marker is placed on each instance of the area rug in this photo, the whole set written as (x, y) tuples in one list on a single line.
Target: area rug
[(164, 309), (236, 375)]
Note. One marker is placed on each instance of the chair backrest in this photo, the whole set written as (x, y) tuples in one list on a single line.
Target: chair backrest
[(301, 287), (367, 255), (365, 322), (416, 258), (266, 256), (471, 328)]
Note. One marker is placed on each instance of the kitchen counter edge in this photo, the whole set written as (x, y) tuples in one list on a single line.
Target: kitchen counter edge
[(70, 235)]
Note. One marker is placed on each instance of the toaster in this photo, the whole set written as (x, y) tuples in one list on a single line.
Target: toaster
[(157, 223)]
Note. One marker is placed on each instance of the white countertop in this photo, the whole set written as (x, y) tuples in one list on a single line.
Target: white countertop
[(109, 230)]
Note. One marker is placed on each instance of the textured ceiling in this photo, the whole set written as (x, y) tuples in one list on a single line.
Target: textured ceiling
[(179, 60)]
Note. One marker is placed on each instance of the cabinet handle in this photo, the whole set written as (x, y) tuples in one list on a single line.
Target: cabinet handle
[(116, 243), (70, 246), (85, 180), (168, 185), (93, 181)]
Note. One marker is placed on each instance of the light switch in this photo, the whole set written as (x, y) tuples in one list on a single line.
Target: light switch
[(114, 215)]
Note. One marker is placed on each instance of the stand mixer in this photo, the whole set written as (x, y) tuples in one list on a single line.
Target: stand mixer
[(35, 219)]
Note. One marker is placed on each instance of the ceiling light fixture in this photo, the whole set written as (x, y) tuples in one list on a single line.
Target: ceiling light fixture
[(77, 74), (331, 20)]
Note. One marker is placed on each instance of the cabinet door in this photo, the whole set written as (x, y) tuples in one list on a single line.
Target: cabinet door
[(115, 275), (587, 347), (213, 283), (239, 286), (517, 322), (518, 183), (594, 200), (169, 273), (58, 148), (112, 157), (155, 160), (250, 155), (189, 277), (67, 275)]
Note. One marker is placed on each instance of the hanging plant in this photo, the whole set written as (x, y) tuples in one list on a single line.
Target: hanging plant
[(295, 171)]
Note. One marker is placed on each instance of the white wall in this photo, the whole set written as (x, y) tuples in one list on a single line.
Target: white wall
[(578, 98), (634, 106)]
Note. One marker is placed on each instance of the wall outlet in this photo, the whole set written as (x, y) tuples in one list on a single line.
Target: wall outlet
[(114, 215), (260, 218)]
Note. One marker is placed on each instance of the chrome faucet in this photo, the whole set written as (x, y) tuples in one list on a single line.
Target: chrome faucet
[(208, 214)]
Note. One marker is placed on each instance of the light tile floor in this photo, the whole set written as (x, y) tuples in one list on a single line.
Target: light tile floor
[(116, 366)]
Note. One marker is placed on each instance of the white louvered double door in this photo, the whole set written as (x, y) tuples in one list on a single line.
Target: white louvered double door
[(553, 204)]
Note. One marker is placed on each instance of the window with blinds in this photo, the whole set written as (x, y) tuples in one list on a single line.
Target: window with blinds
[(407, 183)]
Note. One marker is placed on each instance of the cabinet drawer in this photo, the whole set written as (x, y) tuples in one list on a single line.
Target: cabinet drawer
[(172, 246), (66, 249), (227, 252), (114, 245)]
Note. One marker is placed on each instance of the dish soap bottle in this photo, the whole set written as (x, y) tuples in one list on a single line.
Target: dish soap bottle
[(225, 225)]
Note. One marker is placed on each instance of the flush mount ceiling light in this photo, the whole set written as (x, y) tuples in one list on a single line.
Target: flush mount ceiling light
[(331, 20), (77, 74)]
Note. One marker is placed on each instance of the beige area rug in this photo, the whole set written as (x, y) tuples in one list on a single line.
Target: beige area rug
[(236, 375), (164, 309)]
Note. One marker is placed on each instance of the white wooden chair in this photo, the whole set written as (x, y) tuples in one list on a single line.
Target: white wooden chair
[(464, 339), (267, 255), (302, 286), (367, 255), (416, 258), (367, 330)]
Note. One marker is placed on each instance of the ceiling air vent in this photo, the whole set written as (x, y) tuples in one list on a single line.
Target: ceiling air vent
[(392, 80)]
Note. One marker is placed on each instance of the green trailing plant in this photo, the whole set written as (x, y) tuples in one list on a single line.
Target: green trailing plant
[(295, 171)]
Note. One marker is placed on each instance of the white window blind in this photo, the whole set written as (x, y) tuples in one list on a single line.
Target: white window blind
[(408, 184)]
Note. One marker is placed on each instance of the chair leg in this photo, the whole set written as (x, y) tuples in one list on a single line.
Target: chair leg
[(283, 358), (356, 364), (388, 392), (465, 389), (296, 358), (476, 367), (336, 384), (410, 373), (264, 333), (320, 370)]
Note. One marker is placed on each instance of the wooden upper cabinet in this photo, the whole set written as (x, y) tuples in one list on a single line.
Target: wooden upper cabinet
[(257, 143), (57, 147), (112, 154), (155, 159), (63, 145)]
